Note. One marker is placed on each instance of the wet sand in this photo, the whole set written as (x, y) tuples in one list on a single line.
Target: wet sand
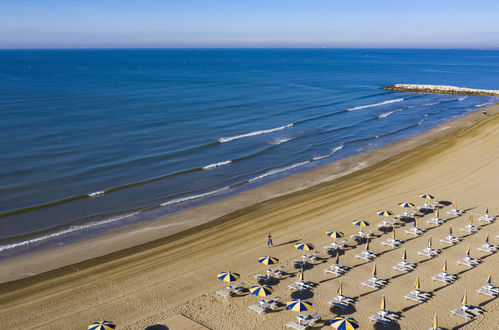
[(173, 269)]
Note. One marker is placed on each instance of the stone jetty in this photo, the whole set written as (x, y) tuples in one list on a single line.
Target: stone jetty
[(442, 89)]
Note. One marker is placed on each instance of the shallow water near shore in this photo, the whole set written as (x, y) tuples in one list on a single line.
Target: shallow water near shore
[(97, 139)]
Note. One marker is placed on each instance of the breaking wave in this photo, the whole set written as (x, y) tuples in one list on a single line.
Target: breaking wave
[(191, 197), (215, 165), (278, 170), (242, 136), (374, 105)]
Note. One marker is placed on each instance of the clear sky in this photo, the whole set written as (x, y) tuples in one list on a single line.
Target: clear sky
[(249, 23)]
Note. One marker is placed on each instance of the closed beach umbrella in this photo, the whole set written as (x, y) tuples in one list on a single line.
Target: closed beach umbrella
[(101, 325), (489, 279), (487, 238), (384, 213), (444, 268), (393, 233), (335, 234), (426, 196), (430, 242), (374, 273), (361, 223), (367, 245), (406, 205), (228, 276), (382, 306), (301, 277), (337, 261), (471, 220), (340, 289), (468, 251), (268, 260), (417, 284), (464, 301), (404, 256), (437, 213), (261, 290), (450, 229), (304, 246), (435, 322), (344, 323), (454, 205), (487, 211), (415, 223)]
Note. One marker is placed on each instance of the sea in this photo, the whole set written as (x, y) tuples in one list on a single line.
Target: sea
[(91, 140)]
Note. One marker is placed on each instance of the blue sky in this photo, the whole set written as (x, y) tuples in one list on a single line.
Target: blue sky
[(250, 23)]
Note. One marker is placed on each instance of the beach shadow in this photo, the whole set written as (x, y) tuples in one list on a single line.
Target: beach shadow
[(444, 203), (440, 288), (157, 327), (288, 242), (343, 311), (487, 301), (462, 325), (303, 294), (369, 292), (388, 326), (408, 308)]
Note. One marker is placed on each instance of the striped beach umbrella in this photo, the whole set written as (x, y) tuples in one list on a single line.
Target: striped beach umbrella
[(335, 234), (102, 325), (228, 276), (304, 246), (261, 290), (268, 260), (406, 205), (464, 300), (344, 323), (384, 213), (298, 305), (360, 223), (417, 284), (426, 196)]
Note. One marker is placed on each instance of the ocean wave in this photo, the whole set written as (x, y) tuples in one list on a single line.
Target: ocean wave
[(215, 165), (333, 151), (242, 136), (188, 198), (483, 105), (66, 231), (430, 104), (278, 141), (462, 98), (374, 104), (277, 170), (97, 193)]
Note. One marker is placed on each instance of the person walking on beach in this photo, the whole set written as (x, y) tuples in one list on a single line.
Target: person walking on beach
[(269, 241)]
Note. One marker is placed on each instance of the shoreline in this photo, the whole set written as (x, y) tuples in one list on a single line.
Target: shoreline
[(146, 235)]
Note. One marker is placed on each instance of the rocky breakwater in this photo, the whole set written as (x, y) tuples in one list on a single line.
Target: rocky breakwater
[(442, 89)]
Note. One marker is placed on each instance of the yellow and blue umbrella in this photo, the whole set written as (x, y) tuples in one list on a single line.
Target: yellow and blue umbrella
[(406, 205), (384, 213), (382, 306), (360, 223), (335, 234), (261, 290), (304, 246), (426, 196), (228, 276), (487, 238), (101, 325), (298, 305), (489, 279), (344, 323), (268, 260), (464, 301)]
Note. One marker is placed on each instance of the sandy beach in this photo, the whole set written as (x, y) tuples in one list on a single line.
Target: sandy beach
[(146, 274)]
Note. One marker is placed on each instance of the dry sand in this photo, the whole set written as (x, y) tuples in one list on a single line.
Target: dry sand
[(150, 284)]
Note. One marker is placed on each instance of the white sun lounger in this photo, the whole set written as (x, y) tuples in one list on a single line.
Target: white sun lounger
[(388, 315), (468, 261), (429, 252), (298, 263), (295, 287), (270, 304), (420, 293), (404, 266), (444, 277), (223, 293), (294, 325), (258, 309), (486, 218), (435, 221), (413, 297), (414, 231), (463, 314), (487, 247), (450, 239), (488, 290), (335, 271), (342, 300), (455, 212), (471, 229), (472, 310), (378, 319), (374, 283), (393, 242)]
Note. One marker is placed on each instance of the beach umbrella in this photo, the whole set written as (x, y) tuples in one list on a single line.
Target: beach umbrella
[(268, 260), (337, 261), (340, 289), (360, 223), (298, 305), (454, 205), (304, 246), (406, 205), (487, 211), (404, 256), (437, 213), (489, 279), (464, 301), (228, 276), (374, 273), (430, 241), (487, 238), (384, 213), (444, 268), (426, 196), (301, 277), (450, 229), (393, 233), (471, 220), (468, 251), (101, 325), (367, 245), (344, 323), (382, 306), (261, 290), (417, 284), (415, 223), (335, 234), (435, 323)]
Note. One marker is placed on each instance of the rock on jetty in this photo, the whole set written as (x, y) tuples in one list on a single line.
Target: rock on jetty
[(442, 89)]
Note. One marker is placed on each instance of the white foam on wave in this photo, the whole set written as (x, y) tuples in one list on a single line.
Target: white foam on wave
[(386, 114), (278, 141), (462, 98), (242, 136), (374, 105), (333, 151), (97, 193), (278, 170), (483, 104), (66, 231), (430, 104), (188, 198), (215, 165)]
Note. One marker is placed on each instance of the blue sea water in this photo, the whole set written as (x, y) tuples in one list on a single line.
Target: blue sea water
[(94, 139)]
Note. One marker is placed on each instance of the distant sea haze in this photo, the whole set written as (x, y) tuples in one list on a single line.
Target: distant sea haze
[(95, 139)]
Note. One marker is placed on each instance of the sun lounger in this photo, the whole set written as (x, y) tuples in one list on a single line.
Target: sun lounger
[(270, 304), (305, 284), (444, 277), (258, 309), (429, 252), (295, 287), (450, 239), (236, 289), (294, 325), (338, 304), (472, 310), (388, 315), (468, 261), (223, 293), (404, 266), (298, 263), (393, 242), (335, 271), (413, 297), (378, 319), (263, 278), (488, 290), (421, 294), (486, 218), (308, 320), (414, 231), (487, 247), (342, 300), (455, 212), (374, 283), (471, 229), (463, 314), (435, 221)]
